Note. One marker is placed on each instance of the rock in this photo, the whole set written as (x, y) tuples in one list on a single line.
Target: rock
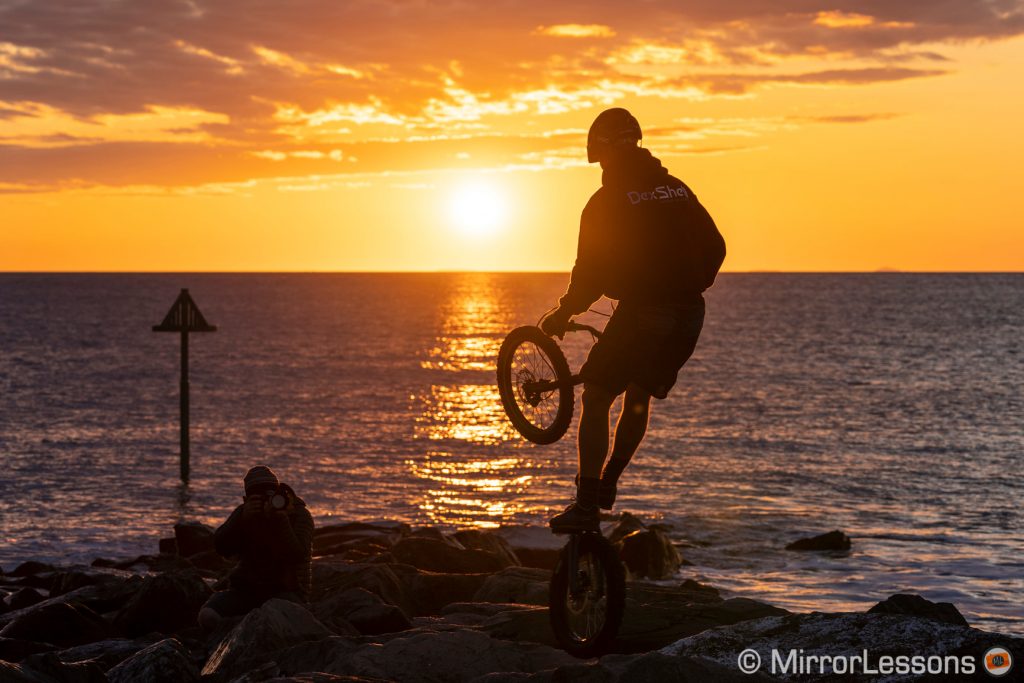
[(59, 623), (163, 661), (273, 626), (533, 546), (31, 568), (210, 561), (522, 624), (48, 667), (25, 597), (431, 592), (333, 538), (141, 564), (330, 577), (522, 585), (357, 610), (649, 553), (626, 525), (105, 653), (15, 649), (100, 598), (489, 542), (892, 635), (13, 673), (657, 616), (904, 603), (193, 538), (165, 603), (833, 540), (81, 575), (435, 555), (456, 655), (168, 546)]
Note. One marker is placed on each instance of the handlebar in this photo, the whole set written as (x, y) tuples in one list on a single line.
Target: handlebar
[(574, 326)]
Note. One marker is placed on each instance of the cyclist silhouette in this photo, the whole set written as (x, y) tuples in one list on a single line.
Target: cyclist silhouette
[(646, 241)]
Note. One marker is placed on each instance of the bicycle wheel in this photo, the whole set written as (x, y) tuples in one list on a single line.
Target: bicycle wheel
[(586, 610), (535, 385)]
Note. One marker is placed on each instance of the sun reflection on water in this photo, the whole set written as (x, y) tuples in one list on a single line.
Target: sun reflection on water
[(461, 490)]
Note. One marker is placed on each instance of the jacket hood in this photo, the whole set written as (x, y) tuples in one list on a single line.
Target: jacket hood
[(635, 165)]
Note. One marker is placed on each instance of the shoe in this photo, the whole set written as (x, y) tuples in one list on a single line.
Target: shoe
[(576, 518)]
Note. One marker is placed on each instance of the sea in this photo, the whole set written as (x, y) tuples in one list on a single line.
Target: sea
[(886, 405)]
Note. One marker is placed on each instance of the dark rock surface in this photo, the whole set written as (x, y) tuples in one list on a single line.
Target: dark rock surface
[(393, 603), (192, 538), (161, 662), (915, 605), (164, 603), (833, 540)]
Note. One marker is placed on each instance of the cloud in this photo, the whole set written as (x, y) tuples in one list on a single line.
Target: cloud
[(576, 31), (230, 79)]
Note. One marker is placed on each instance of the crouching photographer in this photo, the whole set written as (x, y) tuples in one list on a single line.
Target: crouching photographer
[(271, 534)]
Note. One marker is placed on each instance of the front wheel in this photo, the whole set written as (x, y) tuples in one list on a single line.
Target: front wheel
[(586, 607), (535, 385)]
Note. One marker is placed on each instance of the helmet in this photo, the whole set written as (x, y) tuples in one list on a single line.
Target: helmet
[(611, 128)]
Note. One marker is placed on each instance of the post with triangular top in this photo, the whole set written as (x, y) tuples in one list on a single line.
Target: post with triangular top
[(184, 317)]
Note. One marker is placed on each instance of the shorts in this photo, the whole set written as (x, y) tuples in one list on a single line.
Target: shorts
[(235, 603), (645, 344)]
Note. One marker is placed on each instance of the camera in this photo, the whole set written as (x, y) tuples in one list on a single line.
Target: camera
[(278, 498)]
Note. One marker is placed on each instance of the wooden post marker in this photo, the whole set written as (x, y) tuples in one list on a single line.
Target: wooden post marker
[(184, 317)]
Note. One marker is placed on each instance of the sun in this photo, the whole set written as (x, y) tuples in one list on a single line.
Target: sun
[(477, 208)]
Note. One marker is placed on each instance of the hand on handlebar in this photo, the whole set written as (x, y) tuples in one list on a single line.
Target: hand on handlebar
[(556, 323)]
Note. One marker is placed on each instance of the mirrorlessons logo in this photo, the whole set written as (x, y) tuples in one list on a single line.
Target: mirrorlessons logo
[(660, 193), (998, 661)]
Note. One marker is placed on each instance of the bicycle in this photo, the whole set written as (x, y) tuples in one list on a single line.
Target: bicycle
[(587, 596)]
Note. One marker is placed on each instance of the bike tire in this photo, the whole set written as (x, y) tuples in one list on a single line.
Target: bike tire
[(523, 346), (609, 578)]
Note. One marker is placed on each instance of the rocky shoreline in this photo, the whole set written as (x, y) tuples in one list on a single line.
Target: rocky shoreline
[(391, 602)]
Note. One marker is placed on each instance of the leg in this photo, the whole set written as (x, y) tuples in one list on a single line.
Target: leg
[(593, 436), (593, 448), (629, 431)]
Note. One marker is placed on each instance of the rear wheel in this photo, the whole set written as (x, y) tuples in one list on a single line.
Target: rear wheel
[(535, 385), (586, 609)]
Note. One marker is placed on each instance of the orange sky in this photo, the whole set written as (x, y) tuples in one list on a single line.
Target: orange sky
[(318, 135)]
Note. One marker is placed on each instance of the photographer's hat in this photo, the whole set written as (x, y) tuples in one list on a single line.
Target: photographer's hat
[(259, 477)]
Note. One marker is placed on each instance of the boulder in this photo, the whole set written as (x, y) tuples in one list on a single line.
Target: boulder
[(79, 576), (163, 661), (13, 673), (833, 540), (57, 622), (357, 610), (31, 568), (105, 653), (522, 585), (210, 561), (441, 555), (335, 538), (649, 553), (521, 624), (15, 649), (455, 655), (657, 616), (265, 630), (489, 542), (533, 546), (430, 592), (100, 598), (330, 577), (915, 605), (25, 597), (165, 603), (627, 524), (193, 538), (49, 668), (892, 635), (167, 546)]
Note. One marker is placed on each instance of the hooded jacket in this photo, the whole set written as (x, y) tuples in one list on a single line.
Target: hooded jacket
[(274, 550), (644, 238)]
